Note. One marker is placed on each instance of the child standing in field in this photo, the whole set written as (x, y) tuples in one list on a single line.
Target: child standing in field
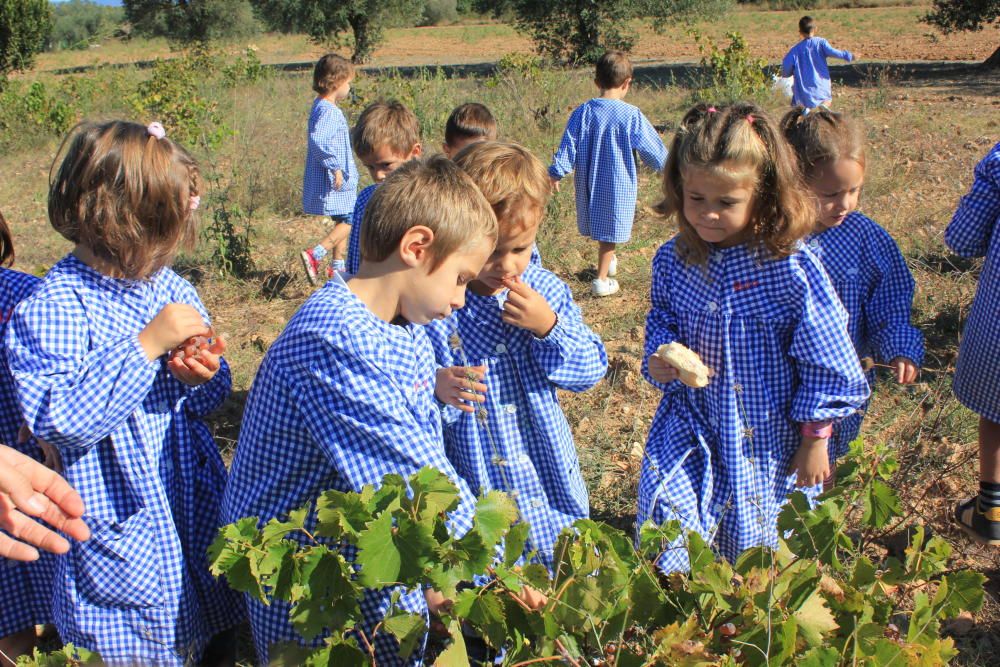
[(330, 181), (521, 330), (467, 124), (973, 232), (96, 354), (864, 263), (806, 61), (345, 395), (386, 137), (736, 287), (598, 146)]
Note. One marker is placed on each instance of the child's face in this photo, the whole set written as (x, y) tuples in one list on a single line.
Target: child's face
[(384, 160), (837, 186), (510, 257), (342, 91), (433, 295), (717, 206)]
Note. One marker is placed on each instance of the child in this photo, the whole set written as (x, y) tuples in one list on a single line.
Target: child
[(97, 354), (345, 395), (973, 233), (806, 61), (598, 146), (330, 182), (522, 330), (736, 287), (386, 137), (468, 123), (864, 263)]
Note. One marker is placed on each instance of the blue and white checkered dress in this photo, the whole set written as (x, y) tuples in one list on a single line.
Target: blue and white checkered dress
[(598, 146), (525, 445), (328, 149), (775, 334), (341, 399), (974, 231), (876, 288), (25, 588), (132, 445), (354, 244)]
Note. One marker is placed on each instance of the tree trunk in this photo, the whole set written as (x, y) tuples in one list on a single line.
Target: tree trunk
[(363, 45), (994, 60)]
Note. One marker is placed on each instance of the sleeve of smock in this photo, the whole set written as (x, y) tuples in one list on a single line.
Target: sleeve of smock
[(571, 355), (565, 158), (975, 221), (661, 322), (831, 52), (328, 137), (646, 140), (887, 313)]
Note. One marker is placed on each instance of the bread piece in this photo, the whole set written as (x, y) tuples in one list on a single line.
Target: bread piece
[(693, 373)]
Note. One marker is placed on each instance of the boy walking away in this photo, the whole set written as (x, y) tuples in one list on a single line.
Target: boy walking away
[(386, 137), (598, 147), (345, 395), (330, 181), (806, 61), (467, 124)]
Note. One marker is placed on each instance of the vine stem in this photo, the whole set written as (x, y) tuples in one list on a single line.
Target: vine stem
[(535, 661), (566, 655)]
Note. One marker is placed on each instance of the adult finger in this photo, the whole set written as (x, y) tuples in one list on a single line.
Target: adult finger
[(11, 549), (28, 531)]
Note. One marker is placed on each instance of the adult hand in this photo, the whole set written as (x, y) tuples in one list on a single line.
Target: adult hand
[(29, 489)]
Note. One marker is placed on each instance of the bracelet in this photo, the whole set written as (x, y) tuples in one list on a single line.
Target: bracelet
[(816, 429)]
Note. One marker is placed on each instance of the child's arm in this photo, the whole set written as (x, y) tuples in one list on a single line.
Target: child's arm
[(564, 161), (830, 52), (206, 397), (661, 324), (972, 227), (788, 64), (328, 137), (647, 142)]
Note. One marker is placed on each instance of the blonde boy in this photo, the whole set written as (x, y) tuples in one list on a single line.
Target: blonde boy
[(344, 396)]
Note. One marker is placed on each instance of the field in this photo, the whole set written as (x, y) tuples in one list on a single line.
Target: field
[(927, 127)]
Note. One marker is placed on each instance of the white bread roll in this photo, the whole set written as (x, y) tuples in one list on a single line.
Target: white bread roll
[(693, 373)]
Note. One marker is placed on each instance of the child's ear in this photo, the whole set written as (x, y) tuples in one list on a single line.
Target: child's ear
[(416, 151), (446, 149), (415, 246)]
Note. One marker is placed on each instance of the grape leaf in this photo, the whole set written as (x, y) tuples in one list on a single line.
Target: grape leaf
[(408, 629), (485, 612), (495, 512), (881, 504), (378, 557), (433, 492), (513, 547), (341, 515), (815, 620), (455, 655)]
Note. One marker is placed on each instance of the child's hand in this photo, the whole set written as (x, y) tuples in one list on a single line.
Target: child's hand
[(437, 603), (173, 325), (459, 385), (532, 598), (338, 179), (661, 371), (810, 462), (196, 361), (527, 309), (554, 182), (905, 370)]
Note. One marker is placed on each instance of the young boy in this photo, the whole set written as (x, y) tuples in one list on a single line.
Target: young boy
[(386, 137), (468, 123), (344, 396), (598, 146), (330, 182), (807, 62), (523, 332)]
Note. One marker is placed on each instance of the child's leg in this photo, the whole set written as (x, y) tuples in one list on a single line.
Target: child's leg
[(605, 255), (17, 644), (989, 451), (979, 516), (341, 232)]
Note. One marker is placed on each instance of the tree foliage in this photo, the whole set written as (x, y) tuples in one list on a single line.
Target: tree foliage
[(24, 29), (328, 21), (190, 21), (956, 15), (77, 24)]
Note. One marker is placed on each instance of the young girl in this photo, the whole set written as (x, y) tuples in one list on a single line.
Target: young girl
[(736, 288), (864, 263), (105, 374), (973, 233)]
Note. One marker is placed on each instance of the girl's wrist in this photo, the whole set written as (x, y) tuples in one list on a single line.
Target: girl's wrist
[(819, 430)]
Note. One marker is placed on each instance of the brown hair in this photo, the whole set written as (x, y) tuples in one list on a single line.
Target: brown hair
[(807, 25), (613, 69), (6, 243), (330, 72), (741, 135), (470, 121), (435, 193), (125, 195), (385, 124), (823, 136), (513, 180)]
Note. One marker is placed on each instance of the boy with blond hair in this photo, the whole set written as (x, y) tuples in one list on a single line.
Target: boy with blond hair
[(519, 339), (598, 146), (330, 180), (467, 124), (344, 396)]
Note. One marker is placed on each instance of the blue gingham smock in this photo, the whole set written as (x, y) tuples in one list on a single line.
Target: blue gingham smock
[(598, 146), (25, 588), (341, 399), (354, 243), (328, 149), (775, 334), (526, 446), (974, 231), (806, 61), (132, 445), (874, 284)]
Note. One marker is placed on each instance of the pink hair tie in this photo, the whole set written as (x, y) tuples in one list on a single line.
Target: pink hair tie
[(195, 202), (711, 110), (750, 118), (155, 130)]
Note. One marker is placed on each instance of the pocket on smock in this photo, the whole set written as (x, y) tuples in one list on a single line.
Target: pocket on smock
[(118, 566)]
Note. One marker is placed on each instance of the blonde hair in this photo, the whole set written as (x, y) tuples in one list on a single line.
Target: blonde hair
[(125, 195), (384, 124), (741, 135), (612, 70), (822, 137), (330, 72), (434, 193), (512, 179)]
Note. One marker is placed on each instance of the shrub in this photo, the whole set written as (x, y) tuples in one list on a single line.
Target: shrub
[(732, 73), (437, 12), (24, 29), (79, 23)]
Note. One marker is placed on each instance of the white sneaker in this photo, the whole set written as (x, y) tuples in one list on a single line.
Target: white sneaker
[(605, 287), (613, 268)]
